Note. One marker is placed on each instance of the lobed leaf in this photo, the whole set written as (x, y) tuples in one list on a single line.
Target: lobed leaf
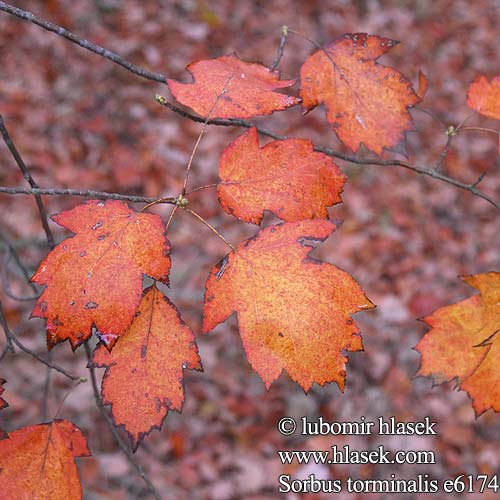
[(464, 343), (38, 462), (285, 177), (143, 378), (238, 89), (294, 313), (95, 277), (484, 96), (366, 103)]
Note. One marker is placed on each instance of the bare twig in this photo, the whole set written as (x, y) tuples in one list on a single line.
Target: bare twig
[(11, 254), (59, 30), (29, 178), (170, 218), (446, 150), (46, 388), (87, 193), (205, 123), (13, 339), (281, 48), (119, 441), (212, 228), (6, 284), (9, 346), (201, 188)]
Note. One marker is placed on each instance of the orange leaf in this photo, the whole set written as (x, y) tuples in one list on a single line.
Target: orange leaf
[(366, 102), (38, 462), (95, 277), (464, 343), (285, 177), (241, 89), (143, 378), (294, 312), (484, 96)]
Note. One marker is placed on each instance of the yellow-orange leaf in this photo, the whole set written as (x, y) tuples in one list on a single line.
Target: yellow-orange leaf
[(367, 103), (95, 277), (484, 96), (464, 343), (294, 312), (143, 378), (238, 89), (285, 177), (37, 462)]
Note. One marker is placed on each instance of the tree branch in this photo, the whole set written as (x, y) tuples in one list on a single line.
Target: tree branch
[(119, 441), (11, 338), (97, 49), (281, 48), (87, 193), (29, 178)]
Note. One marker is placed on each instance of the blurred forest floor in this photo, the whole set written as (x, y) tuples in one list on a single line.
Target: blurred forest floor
[(81, 121)]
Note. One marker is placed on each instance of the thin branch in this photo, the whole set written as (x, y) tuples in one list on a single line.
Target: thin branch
[(200, 188), (170, 218), (59, 30), (281, 48), (478, 180), (444, 152), (87, 193), (9, 346), (212, 228), (481, 129), (18, 343), (119, 441), (29, 178), (6, 285), (46, 389), (12, 254), (205, 123)]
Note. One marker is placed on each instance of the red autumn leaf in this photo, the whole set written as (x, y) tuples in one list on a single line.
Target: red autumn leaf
[(95, 277), (38, 462), (238, 89), (143, 378), (286, 177), (3, 403), (464, 343), (484, 96), (294, 312), (366, 103)]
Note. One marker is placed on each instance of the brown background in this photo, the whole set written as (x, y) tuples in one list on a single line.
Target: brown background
[(81, 121)]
